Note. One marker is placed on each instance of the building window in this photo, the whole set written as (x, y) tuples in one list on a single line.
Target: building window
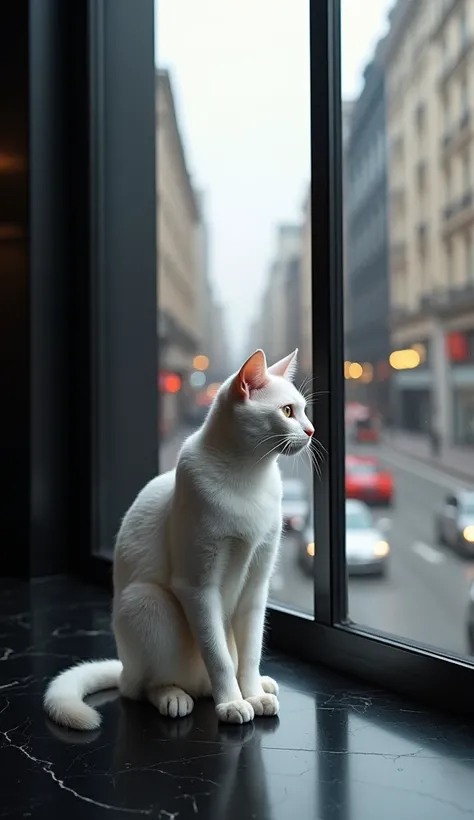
[(466, 171), (447, 186), (421, 176), (449, 262), (463, 28), (464, 97), (447, 114), (420, 118), (469, 257)]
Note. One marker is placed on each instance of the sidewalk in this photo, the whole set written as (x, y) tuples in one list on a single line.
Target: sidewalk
[(459, 461)]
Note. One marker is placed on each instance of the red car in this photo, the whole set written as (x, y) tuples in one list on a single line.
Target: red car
[(367, 430), (368, 481)]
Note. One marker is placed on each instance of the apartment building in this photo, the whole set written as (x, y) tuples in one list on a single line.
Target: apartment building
[(305, 291), (213, 335), (180, 279), (306, 339), (367, 329), (347, 114), (429, 63)]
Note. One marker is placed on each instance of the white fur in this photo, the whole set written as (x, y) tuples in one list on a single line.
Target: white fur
[(193, 561)]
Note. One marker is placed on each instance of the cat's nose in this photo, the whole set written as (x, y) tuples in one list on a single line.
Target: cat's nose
[(309, 430)]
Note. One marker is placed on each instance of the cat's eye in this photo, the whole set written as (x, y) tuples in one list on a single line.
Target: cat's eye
[(287, 411)]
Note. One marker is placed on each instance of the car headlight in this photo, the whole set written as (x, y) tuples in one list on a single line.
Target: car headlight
[(310, 549), (468, 533), (381, 549)]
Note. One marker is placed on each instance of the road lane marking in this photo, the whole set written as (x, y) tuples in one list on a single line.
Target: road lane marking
[(430, 554), (432, 474)]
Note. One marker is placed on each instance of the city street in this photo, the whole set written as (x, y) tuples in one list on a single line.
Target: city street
[(425, 594)]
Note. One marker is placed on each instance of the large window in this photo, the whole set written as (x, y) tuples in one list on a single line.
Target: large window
[(221, 161), (410, 571), (234, 226)]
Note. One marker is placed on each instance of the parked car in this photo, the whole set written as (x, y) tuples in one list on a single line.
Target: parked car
[(367, 547), (367, 431), (367, 480), (296, 506), (454, 523)]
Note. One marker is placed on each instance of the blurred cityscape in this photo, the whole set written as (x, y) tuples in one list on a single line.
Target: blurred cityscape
[(408, 279), (193, 348)]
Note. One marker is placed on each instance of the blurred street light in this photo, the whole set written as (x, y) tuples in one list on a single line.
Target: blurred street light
[(200, 362), (404, 359), (197, 379), (355, 370)]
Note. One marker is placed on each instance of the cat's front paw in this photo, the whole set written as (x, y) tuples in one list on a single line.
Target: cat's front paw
[(269, 685), (264, 705), (235, 711)]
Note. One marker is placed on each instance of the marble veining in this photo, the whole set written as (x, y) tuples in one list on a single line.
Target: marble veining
[(339, 751)]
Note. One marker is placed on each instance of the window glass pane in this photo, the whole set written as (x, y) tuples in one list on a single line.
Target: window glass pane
[(234, 253), (409, 323)]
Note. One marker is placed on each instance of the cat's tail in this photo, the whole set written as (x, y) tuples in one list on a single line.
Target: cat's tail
[(64, 698)]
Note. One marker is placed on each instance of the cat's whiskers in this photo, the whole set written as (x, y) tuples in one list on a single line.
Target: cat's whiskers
[(311, 396), (318, 445), (305, 384), (264, 440), (314, 461), (269, 452)]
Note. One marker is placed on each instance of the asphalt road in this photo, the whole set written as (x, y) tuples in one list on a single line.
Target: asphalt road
[(424, 596)]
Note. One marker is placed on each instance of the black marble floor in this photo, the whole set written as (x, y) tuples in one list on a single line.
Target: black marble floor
[(338, 751)]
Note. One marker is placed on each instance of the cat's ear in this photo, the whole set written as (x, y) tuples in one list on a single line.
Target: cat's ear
[(252, 375), (285, 367)]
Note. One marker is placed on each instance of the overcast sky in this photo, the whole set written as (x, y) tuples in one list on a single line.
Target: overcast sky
[(240, 70)]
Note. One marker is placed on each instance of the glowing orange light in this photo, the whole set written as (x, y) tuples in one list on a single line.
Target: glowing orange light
[(355, 370), (172, 383), (200, 362)]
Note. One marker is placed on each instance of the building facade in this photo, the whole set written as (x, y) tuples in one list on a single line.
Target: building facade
[(306, 342), (346, 117), (178, 264), (367, 330), (305, 289), (212, 324), (429, 62), (278, 322)]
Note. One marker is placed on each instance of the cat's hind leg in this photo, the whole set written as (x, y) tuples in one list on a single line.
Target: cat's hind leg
[(156, 647)]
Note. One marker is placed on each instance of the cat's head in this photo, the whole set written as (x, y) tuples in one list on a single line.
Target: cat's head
[(267, 410)]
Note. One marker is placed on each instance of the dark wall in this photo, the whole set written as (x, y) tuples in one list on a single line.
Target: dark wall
[(14, 284), (78, 276)]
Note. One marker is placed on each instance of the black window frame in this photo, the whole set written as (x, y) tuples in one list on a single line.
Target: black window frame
[(112, 337)]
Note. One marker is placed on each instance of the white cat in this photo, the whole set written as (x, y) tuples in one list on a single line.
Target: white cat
[(193, 561)]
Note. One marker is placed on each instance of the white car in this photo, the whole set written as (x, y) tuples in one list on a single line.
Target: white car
[(367, 548)]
